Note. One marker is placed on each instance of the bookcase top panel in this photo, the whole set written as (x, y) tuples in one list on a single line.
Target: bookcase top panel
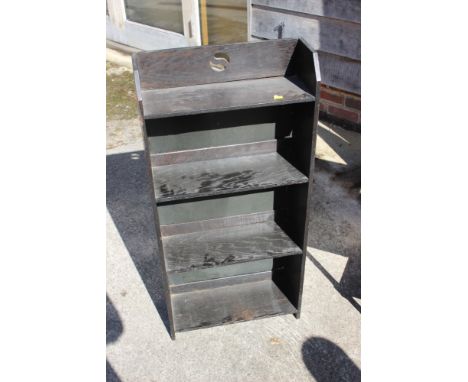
[(213, 64), (222, 97)]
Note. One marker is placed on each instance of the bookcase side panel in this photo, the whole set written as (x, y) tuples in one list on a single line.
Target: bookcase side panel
[(159, 247), (292, 204), (230, 159)]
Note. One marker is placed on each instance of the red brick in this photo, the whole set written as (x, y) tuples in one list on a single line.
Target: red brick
[(354, 103), (323, 107), (333, 97), (343, 114)]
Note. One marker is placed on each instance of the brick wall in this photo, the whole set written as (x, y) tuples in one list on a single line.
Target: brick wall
[(340, 107)]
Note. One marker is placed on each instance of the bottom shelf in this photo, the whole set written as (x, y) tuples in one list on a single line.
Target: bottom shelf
[(225, 302)]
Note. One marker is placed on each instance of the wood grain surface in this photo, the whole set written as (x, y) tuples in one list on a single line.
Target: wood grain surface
[(225, 305), (327, 35), (223, 176), (218, 152), (224, 222), (336, 9), (332, 28), (224, 246), (341, 72), (222, 96), (189, 281), (191, 66)]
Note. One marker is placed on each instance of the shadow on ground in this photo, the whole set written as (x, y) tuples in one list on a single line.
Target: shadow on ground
[(111, 375), (129, 204), (350, 284), (114, 326), (335, 217), (345, 148), (335, 228), (114, 329), (327, 362)]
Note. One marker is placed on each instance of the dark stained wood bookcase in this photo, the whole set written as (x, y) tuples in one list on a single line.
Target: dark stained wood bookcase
[(229, 135)]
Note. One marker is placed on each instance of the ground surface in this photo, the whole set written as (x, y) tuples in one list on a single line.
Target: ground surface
[(324, 345), (123, 125)]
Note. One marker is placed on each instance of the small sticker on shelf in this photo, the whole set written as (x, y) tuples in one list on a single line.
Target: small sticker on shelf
[(277, 97)]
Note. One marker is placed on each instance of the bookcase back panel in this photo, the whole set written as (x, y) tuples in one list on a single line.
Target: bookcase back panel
[(219, 129), (212, 208), (215, 152), (220, 272), (196, 138), (212, 64)]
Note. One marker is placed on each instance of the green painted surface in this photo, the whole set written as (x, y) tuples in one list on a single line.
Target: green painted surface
[(220, 272), (212, 137), (215, 208)]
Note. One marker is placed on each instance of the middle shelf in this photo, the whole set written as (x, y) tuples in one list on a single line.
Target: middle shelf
[(226, 246), (221, 176)]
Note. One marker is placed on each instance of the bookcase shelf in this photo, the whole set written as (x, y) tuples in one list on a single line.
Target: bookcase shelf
[(225, 246), (223, 176), (222, 302), (222, 97), (229, 133)]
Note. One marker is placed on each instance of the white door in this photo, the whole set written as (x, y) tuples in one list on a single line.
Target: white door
[(153, 24), (160, 24)]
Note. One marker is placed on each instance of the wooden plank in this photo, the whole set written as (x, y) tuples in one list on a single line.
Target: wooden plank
[(225, 305), (218, 129), (293, 204), (215, 207), (304, 64), (224, 222), (223, 176), (201, 133), (158, 242), (337, 9), (328, 35), (218, 152), (229, 281), (341, 72), (191, 66), (221, 97), (224, 246), (183, 281)]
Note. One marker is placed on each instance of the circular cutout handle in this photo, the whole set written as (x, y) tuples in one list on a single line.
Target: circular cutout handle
[(220, 61)]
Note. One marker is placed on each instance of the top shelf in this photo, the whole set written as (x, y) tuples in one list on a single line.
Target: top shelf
[(223, 96), (212, 78)]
